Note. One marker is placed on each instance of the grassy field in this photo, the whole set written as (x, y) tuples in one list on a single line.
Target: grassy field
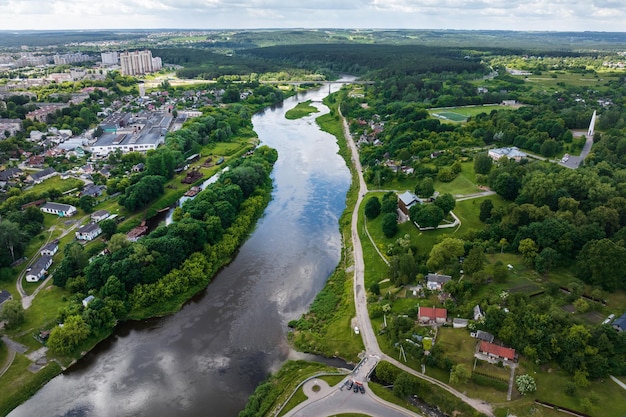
[(461, 114)]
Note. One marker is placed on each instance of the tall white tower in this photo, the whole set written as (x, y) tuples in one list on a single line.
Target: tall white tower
[(592, 125)]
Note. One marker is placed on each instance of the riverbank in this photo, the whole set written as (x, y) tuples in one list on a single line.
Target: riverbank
[(18, 384)]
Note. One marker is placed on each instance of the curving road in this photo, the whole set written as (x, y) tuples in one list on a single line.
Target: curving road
[(325, 400), (360, 294)]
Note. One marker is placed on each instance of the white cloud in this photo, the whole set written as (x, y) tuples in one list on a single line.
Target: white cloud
[(602, 15)]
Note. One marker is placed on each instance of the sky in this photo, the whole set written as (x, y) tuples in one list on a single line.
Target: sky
[(536, 15)]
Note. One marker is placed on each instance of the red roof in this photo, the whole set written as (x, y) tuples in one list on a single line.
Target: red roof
[(433, 313), (500, 351)]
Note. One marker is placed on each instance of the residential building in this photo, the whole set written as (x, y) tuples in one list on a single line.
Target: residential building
[(39, 269), (137, 62), (619, 323), (509, 153), (10, 173), (50, 249), (62, 210), (98, 216), (435, 282), (40, 176), (9, 125), (110, 58), (432, 315), (496, 351), (479, 334), (407, 200), (93, 190), (4, 296), (88, 232), (478, 313)]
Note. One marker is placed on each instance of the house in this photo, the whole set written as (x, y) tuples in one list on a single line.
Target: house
[(479, 334), (98, 216), (39, 269), (435, 282), (619, 323), (138, 167), (88, 232), (509, 153), (432, 315), (10, 173), (50, 249), (4, 296), (407, 200), (459, 323), (478, 313), (35, 161), (40, 176), (88, 300), (497, 352), (93, 190), (62, 210), (10, 125)]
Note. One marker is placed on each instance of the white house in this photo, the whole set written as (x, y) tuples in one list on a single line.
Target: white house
[(98, 216), (50, 249), (508, 153), (62, 210), (88, 232), (39, 269), (435, 282)]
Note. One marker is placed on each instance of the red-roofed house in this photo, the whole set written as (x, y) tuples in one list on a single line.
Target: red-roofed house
[(495, 351), (432, 315)]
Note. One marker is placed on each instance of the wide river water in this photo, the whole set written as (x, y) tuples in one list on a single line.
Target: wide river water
[(208, 358)]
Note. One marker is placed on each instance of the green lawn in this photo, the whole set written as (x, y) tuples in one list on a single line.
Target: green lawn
[(464, 183), (461, 114)]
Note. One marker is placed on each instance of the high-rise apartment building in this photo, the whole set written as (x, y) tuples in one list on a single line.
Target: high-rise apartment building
[(136, 62), (110, 58)]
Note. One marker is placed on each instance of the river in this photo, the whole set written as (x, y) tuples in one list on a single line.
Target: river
[(208, 358)]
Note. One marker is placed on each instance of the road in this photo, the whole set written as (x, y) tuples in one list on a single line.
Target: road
[(27, 300), (327, 400)]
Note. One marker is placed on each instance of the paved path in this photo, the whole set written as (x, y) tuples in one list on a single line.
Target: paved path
[(618, 382), (7, 364)]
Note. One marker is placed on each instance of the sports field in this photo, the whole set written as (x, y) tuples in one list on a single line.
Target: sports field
[(461, 114), (448, 115)]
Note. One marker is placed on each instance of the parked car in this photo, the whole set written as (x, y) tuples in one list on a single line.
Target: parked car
[(356, 330), (361, 388), (349, 384), (356, 388)]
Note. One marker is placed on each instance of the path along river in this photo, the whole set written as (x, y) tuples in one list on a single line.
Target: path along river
[(208, 358)]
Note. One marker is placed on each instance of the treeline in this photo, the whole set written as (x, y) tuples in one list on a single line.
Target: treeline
[(17, 228), (377, 61), (207, 65), (157, 273)]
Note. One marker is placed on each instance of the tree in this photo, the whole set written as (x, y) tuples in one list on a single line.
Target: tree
[(390, 224), (442, 253), (426, 215), (445, 202), (13, 240), (425, 188), (64, 340), (86, 203), (372, 207), (525, 384), (108, 227), (602, 263), (474, 261), (459, 374), (485, 210), (546, 260), (528, 248), (13, 312), (506, 185), (482, 163)]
